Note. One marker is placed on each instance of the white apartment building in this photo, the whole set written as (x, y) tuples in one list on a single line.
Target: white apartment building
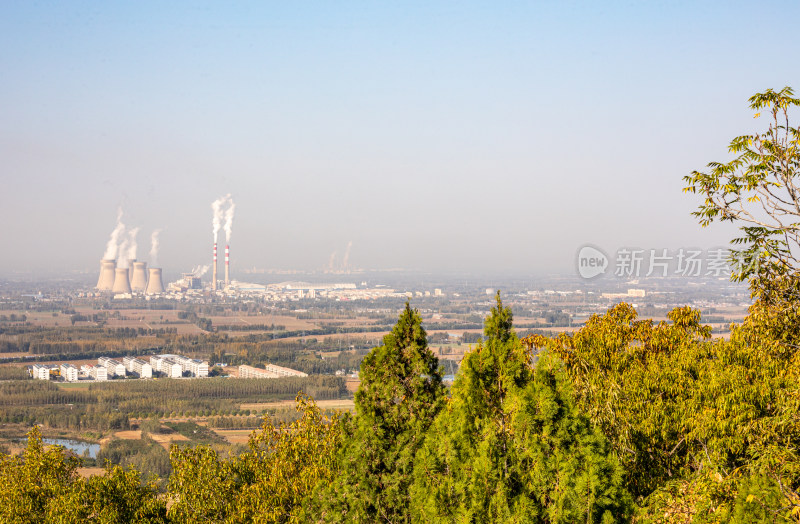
[(166, 365), (69, 372), (142, 368), (197, 368), (113, 367), (40, 371), (95, 372)]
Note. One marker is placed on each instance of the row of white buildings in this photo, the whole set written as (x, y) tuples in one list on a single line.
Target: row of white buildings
[(177, 365), (269, 371), (172, 366), (67, 372)]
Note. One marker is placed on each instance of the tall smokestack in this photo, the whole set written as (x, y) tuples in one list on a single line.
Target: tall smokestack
[(227, 265), (214, 271), (121, 282), (154, 284), (139, 279), (106, 280)]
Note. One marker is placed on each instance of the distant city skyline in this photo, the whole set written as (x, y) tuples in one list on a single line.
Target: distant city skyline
[(474, 137)]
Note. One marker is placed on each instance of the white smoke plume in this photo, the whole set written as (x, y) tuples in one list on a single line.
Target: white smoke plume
[(122, 252), (346, 259), (154, 248), (132, 244), (332, 261), (112, 246), (199, 271), (229, 219), (219, 215)]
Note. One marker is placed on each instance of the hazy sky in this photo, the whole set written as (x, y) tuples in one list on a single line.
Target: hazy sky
[(495, 136)]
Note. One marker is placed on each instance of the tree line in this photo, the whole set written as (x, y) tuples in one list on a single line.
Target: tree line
[(623, 420)]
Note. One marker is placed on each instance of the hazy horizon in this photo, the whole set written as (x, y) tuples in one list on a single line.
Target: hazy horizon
[(467, 138)]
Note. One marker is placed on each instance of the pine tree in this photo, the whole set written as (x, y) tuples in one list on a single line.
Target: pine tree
[(401, 392), (511, 445)]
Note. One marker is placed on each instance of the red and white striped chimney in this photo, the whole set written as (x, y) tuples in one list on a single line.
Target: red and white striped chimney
[(227, 265), (214, 275)]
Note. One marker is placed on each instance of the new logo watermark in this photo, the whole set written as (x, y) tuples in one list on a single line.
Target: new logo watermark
[(592, 261), (637, 263)]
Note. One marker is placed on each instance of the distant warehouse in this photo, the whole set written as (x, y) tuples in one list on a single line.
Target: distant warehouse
[(270, 371)]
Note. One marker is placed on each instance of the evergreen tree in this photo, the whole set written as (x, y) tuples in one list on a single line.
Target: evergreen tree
[(401, 392), (511, 445)]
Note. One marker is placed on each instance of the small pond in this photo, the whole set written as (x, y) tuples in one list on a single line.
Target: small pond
[(76, 446)]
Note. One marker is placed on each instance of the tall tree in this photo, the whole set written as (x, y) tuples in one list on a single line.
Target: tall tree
[(705, 429), (401, 392), (759, 190), (511, 445), (268, 483)]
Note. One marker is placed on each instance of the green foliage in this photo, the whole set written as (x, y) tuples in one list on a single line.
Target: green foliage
[(118, 496), (401, 392), (269, 483), (30, 483), (144, 455), (689, 417), (43, 486), (511, 445), (759, 190), (195, 433)]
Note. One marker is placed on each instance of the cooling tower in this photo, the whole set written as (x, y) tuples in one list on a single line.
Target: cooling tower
[(227, 265), (121, 282), (139, 279), (106, 280), (130, 269), (154, 285), (214, 272)]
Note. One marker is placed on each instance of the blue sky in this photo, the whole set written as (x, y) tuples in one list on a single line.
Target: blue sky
[(441, 136)]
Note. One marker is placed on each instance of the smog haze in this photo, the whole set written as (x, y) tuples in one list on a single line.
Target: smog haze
[(426, 136)]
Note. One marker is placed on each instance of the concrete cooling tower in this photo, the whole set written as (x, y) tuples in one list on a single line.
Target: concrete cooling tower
[(130, 269), (121, 282), (106, 280), (154, 285), (139, 278)]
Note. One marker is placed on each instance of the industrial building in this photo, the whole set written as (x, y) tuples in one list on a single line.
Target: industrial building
[(136, 278), (269, 371)]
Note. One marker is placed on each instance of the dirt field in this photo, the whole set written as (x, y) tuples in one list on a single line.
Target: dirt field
[(134, 434), (345, 404), (234, 436), (289, 323), (91, 472)]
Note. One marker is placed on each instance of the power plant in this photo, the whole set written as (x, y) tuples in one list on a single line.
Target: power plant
[(106, 280), (121, 282), (122, 274), (139, 278), (155, 286), (214, 270), (227, 265)]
